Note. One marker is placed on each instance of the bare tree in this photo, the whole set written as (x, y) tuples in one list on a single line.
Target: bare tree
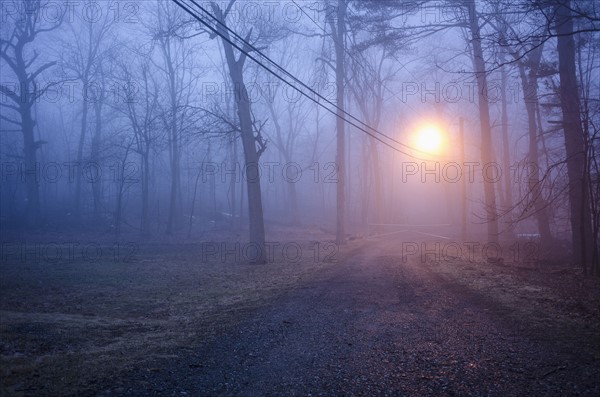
[(367, 85), (288, 118), (176, 66), (337, 25), (24, 64), (252, 140), (96, 147), (581, 227), (140, 106), (528, 59), (82, 59), (480, 70)]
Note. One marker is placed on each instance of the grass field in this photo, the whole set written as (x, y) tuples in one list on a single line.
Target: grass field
[(68, 323)]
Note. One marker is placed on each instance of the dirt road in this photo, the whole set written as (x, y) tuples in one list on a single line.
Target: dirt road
[(380, 324)]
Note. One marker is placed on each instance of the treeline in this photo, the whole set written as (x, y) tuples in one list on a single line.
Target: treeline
[(154, 117)]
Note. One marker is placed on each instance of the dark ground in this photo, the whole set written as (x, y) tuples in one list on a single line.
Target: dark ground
[(375, 323)]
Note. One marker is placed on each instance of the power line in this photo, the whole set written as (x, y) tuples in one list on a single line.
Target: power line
[(242, 50), (356, 59), (243, 40)]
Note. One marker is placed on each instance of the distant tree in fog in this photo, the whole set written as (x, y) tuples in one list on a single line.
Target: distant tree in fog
[(175, 64), (84, 51), (142, 114)]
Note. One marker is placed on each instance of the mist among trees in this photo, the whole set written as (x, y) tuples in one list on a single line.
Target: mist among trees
[(146, 117), (211, 124)]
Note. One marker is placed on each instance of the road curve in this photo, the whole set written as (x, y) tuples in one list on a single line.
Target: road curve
[(375, 324)]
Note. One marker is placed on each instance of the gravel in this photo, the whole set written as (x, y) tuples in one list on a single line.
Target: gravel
[(376, 325)]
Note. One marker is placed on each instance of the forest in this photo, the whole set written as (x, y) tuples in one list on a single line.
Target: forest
[(184, 179)]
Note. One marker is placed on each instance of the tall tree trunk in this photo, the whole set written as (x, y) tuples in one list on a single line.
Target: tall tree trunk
[(530, 96), (375, 161), (581, 227), (249, 142), (80, 146), (25, 103), (372, 118), (255, 209), (25, 29), (95, 161), (233, 183), (30, 152), (292, 191), (212, 190), (144, 227), (173, 189), (364, 184), (506, 168), (484, 118), (463, 182), (122, 180), (339, 33), (173, 146), (293, 198)]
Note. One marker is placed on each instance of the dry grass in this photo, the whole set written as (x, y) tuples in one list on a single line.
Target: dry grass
[(554, 300), (66, 326)]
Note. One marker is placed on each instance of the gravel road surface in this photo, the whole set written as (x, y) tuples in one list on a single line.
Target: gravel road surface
[(378, 324)]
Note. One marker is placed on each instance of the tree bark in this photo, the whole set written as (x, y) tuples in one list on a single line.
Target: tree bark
[(25, 99), (95, 160), (31, 166), (144, 226), (530, 96), (484, 118), (80, 146), (173, 143), (581, 227), (251, 155), (339, 34), (507, 194)]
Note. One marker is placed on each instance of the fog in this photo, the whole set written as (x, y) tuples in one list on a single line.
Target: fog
[(184, 181), (135, 128)]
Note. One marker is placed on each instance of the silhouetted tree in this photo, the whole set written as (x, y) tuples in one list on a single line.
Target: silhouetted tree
[(18, 36)]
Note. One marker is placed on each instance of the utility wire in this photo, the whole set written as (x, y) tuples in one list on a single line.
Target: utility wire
[(308, 87), (355, 59), (241, 49), (358, 61), (243, 40)]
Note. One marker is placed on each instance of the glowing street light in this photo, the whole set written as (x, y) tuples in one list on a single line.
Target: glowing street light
[(429, 139)]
